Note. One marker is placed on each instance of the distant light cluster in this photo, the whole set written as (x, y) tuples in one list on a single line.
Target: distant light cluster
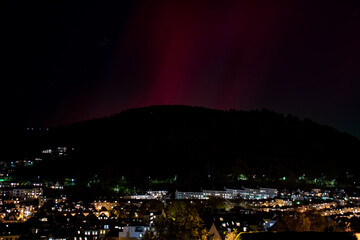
[(245, 193)]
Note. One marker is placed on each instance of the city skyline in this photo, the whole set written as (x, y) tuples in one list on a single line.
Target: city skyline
[(175, 119)]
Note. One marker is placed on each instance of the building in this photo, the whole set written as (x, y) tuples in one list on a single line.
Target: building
[(22, 193), (245, 193), (150, 195), (190, 195), (216, 193), (27, 193), (133, 232)]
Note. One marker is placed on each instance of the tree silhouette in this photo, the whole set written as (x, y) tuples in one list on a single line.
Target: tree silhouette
[(181, 222), (303, 222)]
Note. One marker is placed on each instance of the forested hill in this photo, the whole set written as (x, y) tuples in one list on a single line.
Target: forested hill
[(199, 144)]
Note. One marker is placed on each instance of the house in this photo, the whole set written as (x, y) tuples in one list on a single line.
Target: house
[(133, 232), (91, 233), (57, 186), (61, 234), (268, 223), (104, 211), (224, 222), (9, 237), (151, 217), (11, 218), (214, 233)]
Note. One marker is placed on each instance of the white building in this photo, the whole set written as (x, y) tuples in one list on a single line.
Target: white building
[(190, 195), (237, 193), (216, 193), (137, 232), (150, 195), (246, 193), (29, 193), (157, 194)]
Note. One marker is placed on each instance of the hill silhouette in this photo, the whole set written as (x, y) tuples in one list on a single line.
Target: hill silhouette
[(200, 147)]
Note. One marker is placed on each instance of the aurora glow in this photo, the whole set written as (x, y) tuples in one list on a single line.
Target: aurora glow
[(81, 61)]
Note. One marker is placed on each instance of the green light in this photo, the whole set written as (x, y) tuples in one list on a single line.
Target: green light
[(242, 177)]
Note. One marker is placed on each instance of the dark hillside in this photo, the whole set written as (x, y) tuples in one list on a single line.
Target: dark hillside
[(201, 145)]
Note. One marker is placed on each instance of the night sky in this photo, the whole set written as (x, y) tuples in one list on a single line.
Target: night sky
[(65, 61)]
